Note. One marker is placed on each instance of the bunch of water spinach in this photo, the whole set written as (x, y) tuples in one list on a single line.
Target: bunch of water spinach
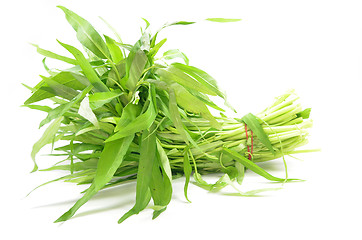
[(122, 114)]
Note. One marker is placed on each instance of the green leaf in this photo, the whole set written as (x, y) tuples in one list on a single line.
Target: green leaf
[(144, 174), (46, 66), (147, 22), (86, 67), (106, 127), (128, 47), (72, 80), (109, 161), (98, 99), (153, 40), (305, 113), (164, 161), (86, 34), (201, 182), (129, 113), (50, 54), (161, 185), (39, 107), (63, 108), (58, 89), (175, 116), (190, 103), (116, 52), (175, 53), (241, 172), (223, 20), (202, 77), (253, 123), (38, 95), (178, 23), (116, 76), (171, 73), (173, 113), (205, 99), (79, 147), (187, 171), (47, 137), (143, 121), (253, 167), (154, 49), (137, 63)]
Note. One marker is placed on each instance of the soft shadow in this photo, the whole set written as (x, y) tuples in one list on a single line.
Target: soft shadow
[(125, 195), (125, 192)]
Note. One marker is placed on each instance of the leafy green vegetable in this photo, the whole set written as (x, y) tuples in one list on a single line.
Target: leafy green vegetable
[(130, 112)]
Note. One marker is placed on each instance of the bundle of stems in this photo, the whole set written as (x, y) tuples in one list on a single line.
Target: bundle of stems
[(121, 114), (282, 122)]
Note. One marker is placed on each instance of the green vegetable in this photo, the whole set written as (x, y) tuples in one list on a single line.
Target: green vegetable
[(129, 113)]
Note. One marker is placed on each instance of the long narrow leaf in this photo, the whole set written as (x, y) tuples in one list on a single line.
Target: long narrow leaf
[(86, 67), (175, 53), (187, 171), (172, 73), (110, 159), (223, 20), (86, 34), (63, 108), (50, 54), (137, 66), (115, 51), (59, 90), (144, 174), (253, 123), (98, 99), (186, 100), (160, 185), (47, 137), (142, 122), (71, 80), (202, 77), (175, 115), (253, 167)]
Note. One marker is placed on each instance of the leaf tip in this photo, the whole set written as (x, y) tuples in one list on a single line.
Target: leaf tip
[(62, 8), (64, 217), (33, 44), (124, 217), (59, 220), (35, 168), (59, 42)]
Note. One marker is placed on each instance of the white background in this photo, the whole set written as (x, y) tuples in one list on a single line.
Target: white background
[(312, 46)]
